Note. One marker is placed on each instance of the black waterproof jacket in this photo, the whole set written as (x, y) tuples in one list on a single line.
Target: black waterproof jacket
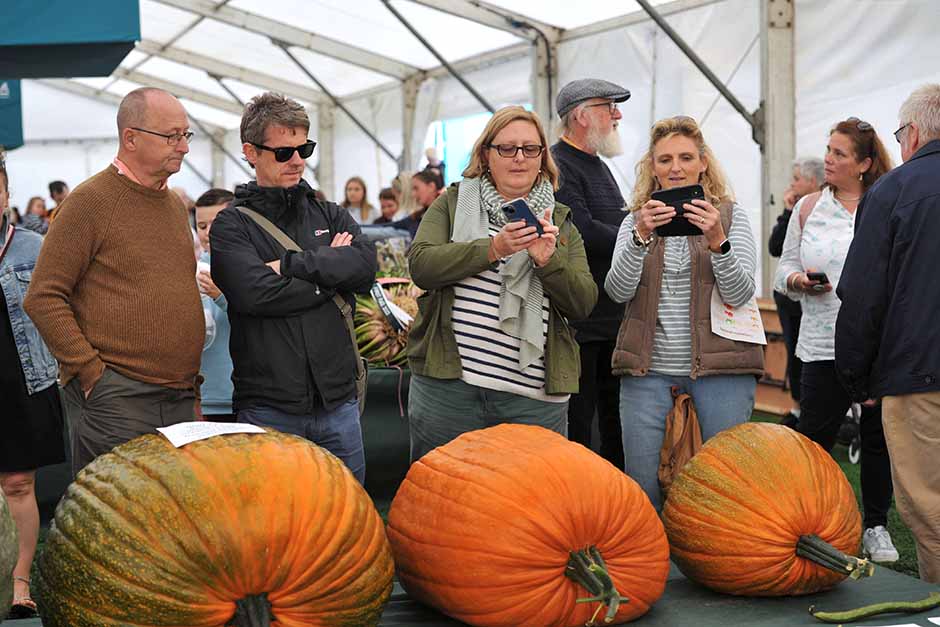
[(887, 335), (290, 347)]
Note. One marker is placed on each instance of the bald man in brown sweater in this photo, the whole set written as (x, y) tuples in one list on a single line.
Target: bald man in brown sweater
[(114, 292)]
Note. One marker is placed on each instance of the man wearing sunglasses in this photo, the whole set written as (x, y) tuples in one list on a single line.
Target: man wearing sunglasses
[(294, 362), (886, 333), (113, 292), (588, 120)]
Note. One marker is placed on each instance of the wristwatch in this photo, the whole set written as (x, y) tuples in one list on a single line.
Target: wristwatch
[(725, 247), (639, 241)]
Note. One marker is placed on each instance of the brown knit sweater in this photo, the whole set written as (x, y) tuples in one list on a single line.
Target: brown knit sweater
[(115, 285)]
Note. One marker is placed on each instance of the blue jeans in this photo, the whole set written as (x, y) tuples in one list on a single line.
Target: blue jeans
[(721, 401), (337, 431), (439, 410)]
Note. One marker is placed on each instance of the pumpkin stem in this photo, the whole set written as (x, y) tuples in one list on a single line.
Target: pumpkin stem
[(587, 568), (817, 550), (252, 611)]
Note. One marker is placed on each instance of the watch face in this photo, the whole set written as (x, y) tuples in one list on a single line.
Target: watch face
[(725, 247)]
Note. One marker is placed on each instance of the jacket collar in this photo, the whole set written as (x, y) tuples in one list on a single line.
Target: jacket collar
[(273, 203), (929, 148)]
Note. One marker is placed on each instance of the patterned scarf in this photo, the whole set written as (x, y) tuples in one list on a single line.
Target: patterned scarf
[(520, 292)]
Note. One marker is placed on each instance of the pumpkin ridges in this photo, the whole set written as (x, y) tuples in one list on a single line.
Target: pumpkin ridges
[(361, 607), (582, 513), (718, 512)]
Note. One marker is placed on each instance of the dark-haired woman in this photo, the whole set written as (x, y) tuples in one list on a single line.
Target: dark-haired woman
[(818, 239)]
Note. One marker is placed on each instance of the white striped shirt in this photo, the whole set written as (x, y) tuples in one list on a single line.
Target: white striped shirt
[(734, 275), (488, 356)]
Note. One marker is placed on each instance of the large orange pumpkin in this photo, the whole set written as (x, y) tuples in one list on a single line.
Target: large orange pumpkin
[(243, 529), (513, 525), (763, 511)]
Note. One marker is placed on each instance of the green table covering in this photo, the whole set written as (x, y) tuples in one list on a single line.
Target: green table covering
[(686, 604)]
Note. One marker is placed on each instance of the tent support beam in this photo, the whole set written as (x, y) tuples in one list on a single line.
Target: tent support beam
[(336, 102), (261, 25), (326, 141), (218, 160), (229, 70), (409, 110), (460, 79), (778, 114), (752, 119)]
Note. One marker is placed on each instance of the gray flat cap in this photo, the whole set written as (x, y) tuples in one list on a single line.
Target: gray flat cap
[(576, 92)]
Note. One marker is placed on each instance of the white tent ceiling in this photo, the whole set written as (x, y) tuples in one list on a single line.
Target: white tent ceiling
[(851, 57)]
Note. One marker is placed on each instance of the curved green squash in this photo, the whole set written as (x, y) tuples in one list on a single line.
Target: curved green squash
[(9, 552)]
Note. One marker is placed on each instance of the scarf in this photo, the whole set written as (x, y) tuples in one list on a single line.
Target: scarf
[(520, 291)]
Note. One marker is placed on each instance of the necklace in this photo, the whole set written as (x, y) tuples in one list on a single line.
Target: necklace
[(848, 198)]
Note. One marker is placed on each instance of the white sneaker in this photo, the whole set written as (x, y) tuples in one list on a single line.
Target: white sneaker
[(876, 543)]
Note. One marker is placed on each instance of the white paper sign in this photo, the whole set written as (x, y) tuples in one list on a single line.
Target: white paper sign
[(185, 432), (737, 323)]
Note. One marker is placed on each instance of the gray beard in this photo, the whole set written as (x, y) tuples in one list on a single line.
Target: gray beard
[(605, 145)]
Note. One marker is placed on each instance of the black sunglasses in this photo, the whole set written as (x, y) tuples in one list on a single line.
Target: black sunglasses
[(286, 152)]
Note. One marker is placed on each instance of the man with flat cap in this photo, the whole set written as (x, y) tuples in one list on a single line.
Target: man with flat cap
[(587, 130)]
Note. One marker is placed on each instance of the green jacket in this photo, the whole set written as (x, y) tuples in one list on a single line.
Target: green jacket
[(437, 263)]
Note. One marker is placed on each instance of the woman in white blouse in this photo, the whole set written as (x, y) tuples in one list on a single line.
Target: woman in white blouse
[(817, 241), (665, 340)]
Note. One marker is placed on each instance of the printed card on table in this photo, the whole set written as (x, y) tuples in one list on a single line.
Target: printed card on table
[(186, 432)]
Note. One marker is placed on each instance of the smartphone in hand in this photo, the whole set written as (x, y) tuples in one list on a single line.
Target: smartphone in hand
[(676, 198), (818, 276), (518, 209)]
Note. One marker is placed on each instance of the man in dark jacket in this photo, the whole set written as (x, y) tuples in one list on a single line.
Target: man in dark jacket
[(589, 117), (294, 361), (808, 177), (887, 336)]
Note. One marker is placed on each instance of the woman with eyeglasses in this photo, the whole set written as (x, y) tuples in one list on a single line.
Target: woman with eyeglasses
[(666, 341), (491, 342), (817, 241), (31, 424)]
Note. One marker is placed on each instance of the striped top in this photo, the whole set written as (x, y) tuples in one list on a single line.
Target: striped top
[(734, 275), (488, 356)]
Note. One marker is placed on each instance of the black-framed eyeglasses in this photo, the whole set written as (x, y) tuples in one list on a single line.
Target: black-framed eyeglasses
[(861, 125), (509, 151), (172, 139), (284, 153), (611, 106), (897, 133)]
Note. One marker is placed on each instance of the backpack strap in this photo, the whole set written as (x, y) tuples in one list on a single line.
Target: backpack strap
[(806, 207)]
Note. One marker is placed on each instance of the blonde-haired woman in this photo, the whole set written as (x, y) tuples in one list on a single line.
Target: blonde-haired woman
[(491, 342), (665, 340), (356, 202)]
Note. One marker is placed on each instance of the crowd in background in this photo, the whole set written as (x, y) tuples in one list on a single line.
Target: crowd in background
[(149, 309)]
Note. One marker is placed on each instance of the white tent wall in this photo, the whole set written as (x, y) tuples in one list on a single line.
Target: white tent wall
[(853, 57), (355, 154), (71, 138)]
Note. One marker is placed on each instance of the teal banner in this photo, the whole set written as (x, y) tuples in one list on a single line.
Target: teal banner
[(11, 114), (65, 38)]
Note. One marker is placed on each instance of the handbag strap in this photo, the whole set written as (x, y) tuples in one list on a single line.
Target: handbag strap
[(285, 241)]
